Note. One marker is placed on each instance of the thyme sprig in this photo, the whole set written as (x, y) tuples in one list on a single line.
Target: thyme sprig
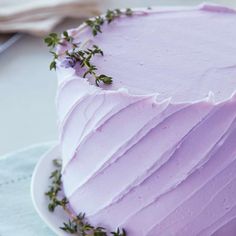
[(84, 58), (77, 224), (96, 23), (52, 40), (55, 188), (77, 55)]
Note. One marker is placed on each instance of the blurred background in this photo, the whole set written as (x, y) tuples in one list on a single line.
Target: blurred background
[(27, 87)]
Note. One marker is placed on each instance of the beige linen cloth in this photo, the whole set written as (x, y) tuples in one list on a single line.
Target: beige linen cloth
[(39, 17)]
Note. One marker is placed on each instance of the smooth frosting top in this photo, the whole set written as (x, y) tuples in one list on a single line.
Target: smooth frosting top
[(183, 53)]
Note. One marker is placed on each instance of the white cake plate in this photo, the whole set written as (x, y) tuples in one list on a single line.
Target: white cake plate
[(39, 185)]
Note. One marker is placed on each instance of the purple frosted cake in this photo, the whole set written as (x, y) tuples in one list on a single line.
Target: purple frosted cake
[(152, 148)]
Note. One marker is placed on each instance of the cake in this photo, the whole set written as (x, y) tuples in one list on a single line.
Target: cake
[(154, 151)]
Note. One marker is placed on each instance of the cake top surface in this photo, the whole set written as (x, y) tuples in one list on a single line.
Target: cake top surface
[(180, 53)]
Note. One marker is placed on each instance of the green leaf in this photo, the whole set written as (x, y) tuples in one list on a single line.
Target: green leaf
[(65, 33), (119, 233), (105, 79), (52, 40), (70, 227), (48, 41), (57, 163), (129, 12), (51, 207), (53, 65), (53, 35)]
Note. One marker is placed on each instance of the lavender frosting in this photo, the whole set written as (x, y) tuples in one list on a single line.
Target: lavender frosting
[(155, 152)]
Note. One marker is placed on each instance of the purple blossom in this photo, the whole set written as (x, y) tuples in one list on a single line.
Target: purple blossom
[(68, 62)]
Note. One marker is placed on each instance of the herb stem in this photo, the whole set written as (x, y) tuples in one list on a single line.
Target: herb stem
[(76, 224), (84, 56)]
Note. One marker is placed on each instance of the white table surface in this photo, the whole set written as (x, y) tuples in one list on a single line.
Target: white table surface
[(27, 87)]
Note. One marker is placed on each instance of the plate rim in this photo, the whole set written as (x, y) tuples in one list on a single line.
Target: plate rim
[(46, 158)]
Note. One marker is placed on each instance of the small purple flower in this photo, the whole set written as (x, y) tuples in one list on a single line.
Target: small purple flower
[(68, 62)]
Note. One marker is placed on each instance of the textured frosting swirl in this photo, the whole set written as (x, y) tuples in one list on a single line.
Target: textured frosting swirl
[(156, 155)]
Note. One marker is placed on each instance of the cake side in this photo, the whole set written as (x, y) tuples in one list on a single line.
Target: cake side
[(154, 165), (164, 165)]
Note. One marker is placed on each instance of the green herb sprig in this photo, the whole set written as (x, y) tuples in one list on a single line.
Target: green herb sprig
[(84, 58), (77, 224), (96, 23), (52, 40)]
